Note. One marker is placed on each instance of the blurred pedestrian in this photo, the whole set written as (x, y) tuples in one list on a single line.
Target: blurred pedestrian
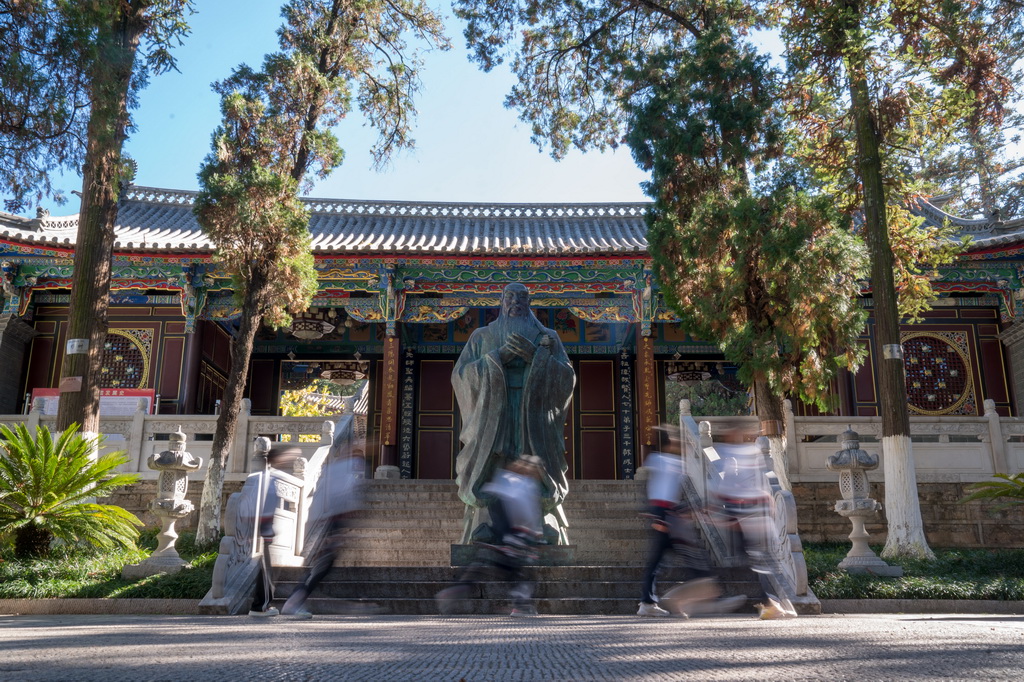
[(515, 512), (673, 531), (341, 483), (280, 456), (742, 502)]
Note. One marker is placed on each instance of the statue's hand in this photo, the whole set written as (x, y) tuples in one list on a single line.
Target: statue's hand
[(521, 346)]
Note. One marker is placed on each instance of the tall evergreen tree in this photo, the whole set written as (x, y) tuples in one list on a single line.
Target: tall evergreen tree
[(746, 254), (275, 137), (60, 54), (868, 78), (695, 105)]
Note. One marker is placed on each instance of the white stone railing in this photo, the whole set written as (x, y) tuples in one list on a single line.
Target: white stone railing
[(946, 449), (141, 435)]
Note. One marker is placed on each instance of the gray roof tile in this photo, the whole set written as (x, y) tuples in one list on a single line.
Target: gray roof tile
[(152, 219)]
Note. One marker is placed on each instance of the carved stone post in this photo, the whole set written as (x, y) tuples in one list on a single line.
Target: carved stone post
[(169, 506), (852, 463)]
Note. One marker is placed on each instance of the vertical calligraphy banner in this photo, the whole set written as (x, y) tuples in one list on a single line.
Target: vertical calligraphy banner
[(405, 437), (389, 403), (627, 443), (647, 388)]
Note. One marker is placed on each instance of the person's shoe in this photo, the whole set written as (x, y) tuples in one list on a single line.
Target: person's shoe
[(272, 611), (730, 604), (300, 613), (771, 610), (451, 599), (524, 612), (651, 611)]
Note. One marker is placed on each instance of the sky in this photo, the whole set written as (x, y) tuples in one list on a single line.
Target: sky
[(469, 147)]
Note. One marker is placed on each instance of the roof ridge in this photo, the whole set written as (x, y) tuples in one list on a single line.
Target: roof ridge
[(402, 208)]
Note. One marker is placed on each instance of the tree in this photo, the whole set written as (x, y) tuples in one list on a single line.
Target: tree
[(869, 77), (975, 163), (46, 488), (44, 100), (737, 239), (746, 254), (274, 137), (60, 54)]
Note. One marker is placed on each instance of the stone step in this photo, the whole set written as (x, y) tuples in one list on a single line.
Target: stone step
[(559, 589)]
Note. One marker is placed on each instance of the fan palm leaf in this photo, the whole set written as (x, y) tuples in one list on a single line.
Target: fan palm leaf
[(48, 489)]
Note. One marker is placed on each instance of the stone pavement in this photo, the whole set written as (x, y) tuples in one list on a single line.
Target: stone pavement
[(112, 648)]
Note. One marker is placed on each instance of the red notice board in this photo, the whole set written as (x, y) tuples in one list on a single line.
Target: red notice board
[(113, 401)]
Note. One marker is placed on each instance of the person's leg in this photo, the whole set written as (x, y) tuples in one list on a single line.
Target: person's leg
[(264, 588), (319, 567), (660, 542)]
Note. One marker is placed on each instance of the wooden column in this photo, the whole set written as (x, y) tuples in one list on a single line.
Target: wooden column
[(389, 409), (647, 392), (190, 371)]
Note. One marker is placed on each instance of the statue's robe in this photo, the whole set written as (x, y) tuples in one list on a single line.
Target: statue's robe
[(480, 384)]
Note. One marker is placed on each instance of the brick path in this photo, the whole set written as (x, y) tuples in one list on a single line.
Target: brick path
[(199, 648)]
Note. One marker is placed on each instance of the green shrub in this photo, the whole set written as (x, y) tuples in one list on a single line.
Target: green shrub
[(47, 488), (90, 572), (1009, 490), (953, 574)]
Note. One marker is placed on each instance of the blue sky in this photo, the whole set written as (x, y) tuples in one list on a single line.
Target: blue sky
[(469, 147)]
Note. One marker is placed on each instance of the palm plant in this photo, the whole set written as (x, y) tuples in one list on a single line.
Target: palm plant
[(47, 488), (1008, 489)]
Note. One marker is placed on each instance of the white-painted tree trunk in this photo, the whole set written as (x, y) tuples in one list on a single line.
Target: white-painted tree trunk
[(902, 508)]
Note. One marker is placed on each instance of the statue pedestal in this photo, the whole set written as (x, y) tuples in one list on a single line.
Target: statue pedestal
[(550, 555), (386, 471)]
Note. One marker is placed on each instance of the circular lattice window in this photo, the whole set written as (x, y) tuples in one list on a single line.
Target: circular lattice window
[(939, 373), (126, 355)]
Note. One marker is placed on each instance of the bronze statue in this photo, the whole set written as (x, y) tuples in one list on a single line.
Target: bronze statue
[(513, 383)]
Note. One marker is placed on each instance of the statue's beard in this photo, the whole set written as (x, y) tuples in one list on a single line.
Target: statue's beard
[(526, 325)]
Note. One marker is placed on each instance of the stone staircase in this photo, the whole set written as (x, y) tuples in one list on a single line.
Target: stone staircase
[(414, 523), (398, 555)]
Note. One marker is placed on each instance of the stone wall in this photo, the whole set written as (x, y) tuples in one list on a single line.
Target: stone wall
[(136, 498), (947, 523)]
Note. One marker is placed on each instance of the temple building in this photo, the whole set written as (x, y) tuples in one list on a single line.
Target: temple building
[(403, 284)]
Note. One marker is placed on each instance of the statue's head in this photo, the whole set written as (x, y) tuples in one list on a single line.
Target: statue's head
[(515, 301)]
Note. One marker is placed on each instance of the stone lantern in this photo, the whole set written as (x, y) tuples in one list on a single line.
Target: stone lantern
[(169, 506), (852, 463)]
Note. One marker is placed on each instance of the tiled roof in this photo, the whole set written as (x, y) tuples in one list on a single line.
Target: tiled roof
[(152, 219), (986, 233)]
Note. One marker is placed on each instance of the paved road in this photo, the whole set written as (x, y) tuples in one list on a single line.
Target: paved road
[(475, 648)]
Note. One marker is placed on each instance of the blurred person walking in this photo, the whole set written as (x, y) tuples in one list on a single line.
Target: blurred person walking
[(741, 504), (279, 456), (515, 520), (673, 531), (341, 484)]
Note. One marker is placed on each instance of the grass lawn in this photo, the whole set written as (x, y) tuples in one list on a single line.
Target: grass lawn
[(86, 572), (954, 574)]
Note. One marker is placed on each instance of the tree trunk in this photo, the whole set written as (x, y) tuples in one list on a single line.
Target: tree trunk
[(772, 417), (208, 532), (31, 541), (90, 284), (906, 529)]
